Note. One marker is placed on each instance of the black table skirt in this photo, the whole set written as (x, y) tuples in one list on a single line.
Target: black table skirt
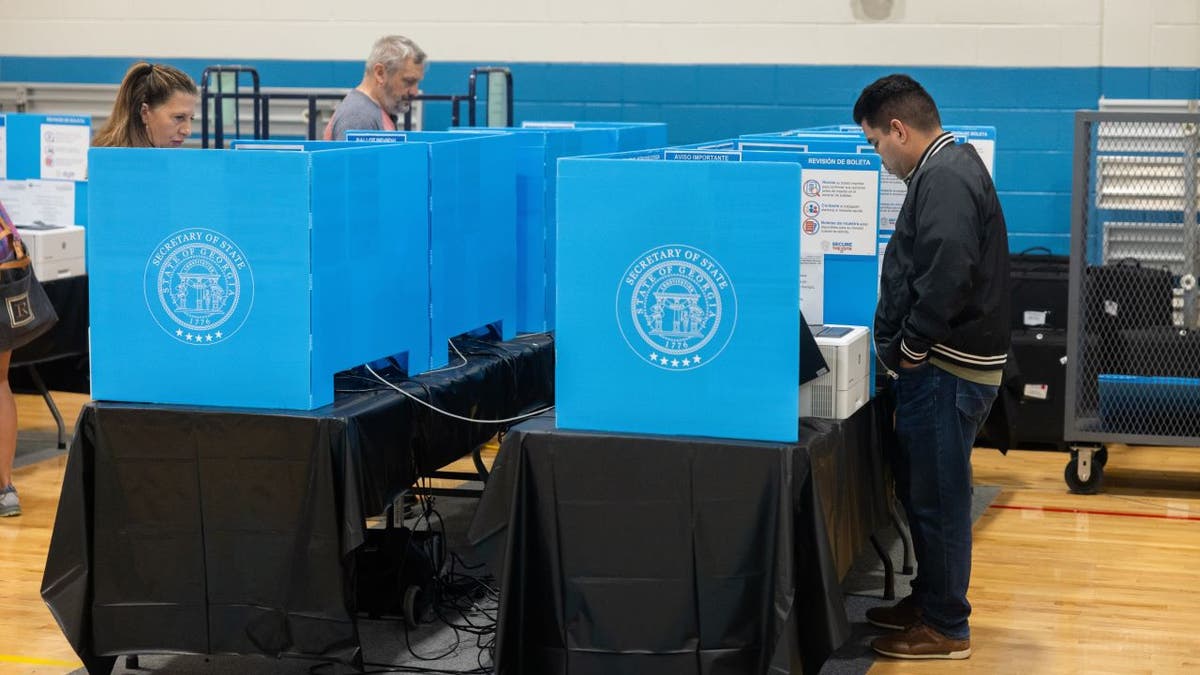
[(620, 553), (209, 530)]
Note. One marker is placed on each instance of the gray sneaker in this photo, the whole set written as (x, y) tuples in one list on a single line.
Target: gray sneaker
[(10, 504)]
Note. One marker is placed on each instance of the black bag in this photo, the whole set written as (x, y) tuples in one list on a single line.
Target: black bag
[(1041, 356), (1162, 351), (1124, 295), (1039, 289), (25, 311)]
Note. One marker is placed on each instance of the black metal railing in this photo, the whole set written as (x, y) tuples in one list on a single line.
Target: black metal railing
[(261, 103)]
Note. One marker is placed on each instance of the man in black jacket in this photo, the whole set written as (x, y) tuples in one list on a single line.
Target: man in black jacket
[(941, 329)]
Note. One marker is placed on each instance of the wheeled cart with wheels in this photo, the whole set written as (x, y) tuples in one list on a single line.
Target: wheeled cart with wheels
[(1133, 333)]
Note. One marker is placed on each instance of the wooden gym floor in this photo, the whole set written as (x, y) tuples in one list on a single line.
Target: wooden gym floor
[(1062, 583)]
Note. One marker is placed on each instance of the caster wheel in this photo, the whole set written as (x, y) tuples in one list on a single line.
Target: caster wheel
[(1084, 487), (413, 612)]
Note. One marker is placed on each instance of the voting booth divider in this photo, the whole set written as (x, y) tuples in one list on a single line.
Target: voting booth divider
[(621, 136), (43, 167), (472, 230), (839, 224), (249, 278), (674, 284), (537, 153)]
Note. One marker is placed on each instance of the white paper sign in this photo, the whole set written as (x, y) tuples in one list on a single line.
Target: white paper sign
[(1035, 318), (39, 201), (812, 286), (837, 211), (1037, 391), (547, 125), (892, 191), (64, 151), (987, 152)]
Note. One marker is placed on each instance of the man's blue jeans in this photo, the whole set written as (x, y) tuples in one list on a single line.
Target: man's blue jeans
[(937, 417)]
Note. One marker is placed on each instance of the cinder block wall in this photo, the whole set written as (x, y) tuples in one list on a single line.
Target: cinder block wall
[(710, 68)]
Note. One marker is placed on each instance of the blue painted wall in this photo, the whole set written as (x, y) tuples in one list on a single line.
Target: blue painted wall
[(1031, 108)]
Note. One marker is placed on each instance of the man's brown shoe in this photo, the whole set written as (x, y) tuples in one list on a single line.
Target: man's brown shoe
[(897, 617), (920, 641)]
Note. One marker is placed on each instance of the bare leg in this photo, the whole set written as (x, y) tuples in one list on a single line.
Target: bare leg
[(8, 423)]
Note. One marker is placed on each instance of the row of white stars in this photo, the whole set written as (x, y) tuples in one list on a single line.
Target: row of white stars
[(207, 337), (674, 363)]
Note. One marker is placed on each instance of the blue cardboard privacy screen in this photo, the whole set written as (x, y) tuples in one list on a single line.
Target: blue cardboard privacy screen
[(623, 136), (677, 287), (36, 148), (839, 225), (248, 278), (538, 151), (472, 230)]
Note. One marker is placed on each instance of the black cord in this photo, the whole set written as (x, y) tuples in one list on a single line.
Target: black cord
[(454, 594)]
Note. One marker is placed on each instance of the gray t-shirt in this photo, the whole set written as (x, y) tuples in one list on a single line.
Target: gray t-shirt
[(357, 111)]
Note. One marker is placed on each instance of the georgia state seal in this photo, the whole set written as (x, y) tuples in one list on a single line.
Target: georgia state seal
[(198, 286), (676, 307)]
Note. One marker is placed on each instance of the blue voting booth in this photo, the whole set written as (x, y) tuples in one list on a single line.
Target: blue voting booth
[(677, 287), (839, 226), (49, 154), (472, 230), (623, 136), (538, 151), (249, 277)]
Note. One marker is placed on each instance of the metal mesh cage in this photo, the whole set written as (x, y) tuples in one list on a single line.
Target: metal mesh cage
[(1133, 368)]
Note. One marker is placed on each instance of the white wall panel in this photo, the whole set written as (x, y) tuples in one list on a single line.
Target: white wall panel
[(1080, 46), (27, 9), (131, 10), (1126, 34), (396, 17), (912, 32), (1176, 11), (1172, 45), (1040, 45), (1013, 12)]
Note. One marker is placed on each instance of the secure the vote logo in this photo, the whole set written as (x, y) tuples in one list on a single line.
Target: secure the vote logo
[(676, 307), (198, 286)]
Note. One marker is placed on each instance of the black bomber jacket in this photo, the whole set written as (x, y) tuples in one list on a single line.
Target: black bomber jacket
[(944, 289)]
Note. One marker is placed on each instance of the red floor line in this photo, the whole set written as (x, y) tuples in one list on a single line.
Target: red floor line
[(1092, 512)]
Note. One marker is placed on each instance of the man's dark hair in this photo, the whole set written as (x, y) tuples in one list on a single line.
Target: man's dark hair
[(898, 97)]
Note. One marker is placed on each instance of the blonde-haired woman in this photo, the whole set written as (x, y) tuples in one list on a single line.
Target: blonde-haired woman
[(154, 109), (10, 502)]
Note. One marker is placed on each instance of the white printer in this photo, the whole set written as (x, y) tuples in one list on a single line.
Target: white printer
[(846, 387), (56, 250)]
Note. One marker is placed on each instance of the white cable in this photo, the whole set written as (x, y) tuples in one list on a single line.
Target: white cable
[(450, 414), (460, 355)]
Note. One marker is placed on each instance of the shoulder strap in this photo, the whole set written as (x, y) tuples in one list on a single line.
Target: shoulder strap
[(20, 259)]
